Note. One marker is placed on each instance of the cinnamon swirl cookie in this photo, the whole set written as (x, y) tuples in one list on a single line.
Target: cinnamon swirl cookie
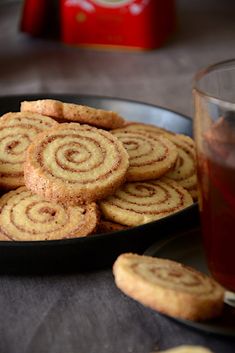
[(184, 171), (141, 202), (17, 131), (75, 164), (168, 287), (150, 156), (26, 216), (187, 349), (74, 112)]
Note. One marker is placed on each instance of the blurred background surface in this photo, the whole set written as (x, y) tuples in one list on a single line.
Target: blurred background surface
[(84, 312), (205, 34)]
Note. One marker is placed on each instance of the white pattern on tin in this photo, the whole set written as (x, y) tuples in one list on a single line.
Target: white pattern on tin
[(85, 5)]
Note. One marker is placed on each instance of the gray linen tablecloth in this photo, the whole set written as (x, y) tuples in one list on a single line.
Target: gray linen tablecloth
[(85, 312)]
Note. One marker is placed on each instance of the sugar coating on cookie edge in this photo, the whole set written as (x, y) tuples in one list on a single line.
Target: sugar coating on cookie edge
[(74, 112)]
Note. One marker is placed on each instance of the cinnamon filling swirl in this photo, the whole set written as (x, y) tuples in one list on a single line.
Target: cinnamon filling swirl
[(141, 202), (150, 156), (176, 276), (77, 158), (75, 164), (184, 171), (17, 131), (25, 216)]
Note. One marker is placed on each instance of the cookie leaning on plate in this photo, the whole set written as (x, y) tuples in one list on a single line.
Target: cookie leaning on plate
[(146, 201), (75, 164), (74, 112), (26, 216), (17, 131), (168, 287), (150, 156)]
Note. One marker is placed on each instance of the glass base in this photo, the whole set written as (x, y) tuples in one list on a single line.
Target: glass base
[(230, 298)]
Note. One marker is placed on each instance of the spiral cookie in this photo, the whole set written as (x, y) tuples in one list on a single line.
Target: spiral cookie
[(26, 216), (142, 202), (74, 112), (17, 131), (187, 349), (185, 168), (168, 287), (150, 157), (75, 164)]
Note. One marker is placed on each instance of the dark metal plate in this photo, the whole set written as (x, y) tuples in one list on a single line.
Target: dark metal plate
[(101, 250)]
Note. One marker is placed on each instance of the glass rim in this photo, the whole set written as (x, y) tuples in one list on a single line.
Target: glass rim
[(202, 73)]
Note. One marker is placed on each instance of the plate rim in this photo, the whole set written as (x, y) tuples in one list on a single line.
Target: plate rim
[(70, 241), (95, 96)]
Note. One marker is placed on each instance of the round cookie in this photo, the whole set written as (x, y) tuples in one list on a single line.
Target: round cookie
[(141, 202), (150, 156), (169, 287), (25, 216), (187, 349), (17, 131), (74, 112), (184, 171), (75, 164)]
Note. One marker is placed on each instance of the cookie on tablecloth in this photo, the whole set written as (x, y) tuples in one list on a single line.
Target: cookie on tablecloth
[(75, 164), (74, 112), (187, 349), (184, 171), (17, 131), (141, 202), (168, 287), (150, 156), (26, 216)]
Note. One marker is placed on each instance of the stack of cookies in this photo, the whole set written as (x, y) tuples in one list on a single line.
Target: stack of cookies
[(72, 170)]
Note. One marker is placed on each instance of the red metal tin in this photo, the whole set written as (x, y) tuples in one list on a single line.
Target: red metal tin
[(33, 18), (142, 24)]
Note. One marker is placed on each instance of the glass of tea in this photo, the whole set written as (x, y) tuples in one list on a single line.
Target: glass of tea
[(214, 132)]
